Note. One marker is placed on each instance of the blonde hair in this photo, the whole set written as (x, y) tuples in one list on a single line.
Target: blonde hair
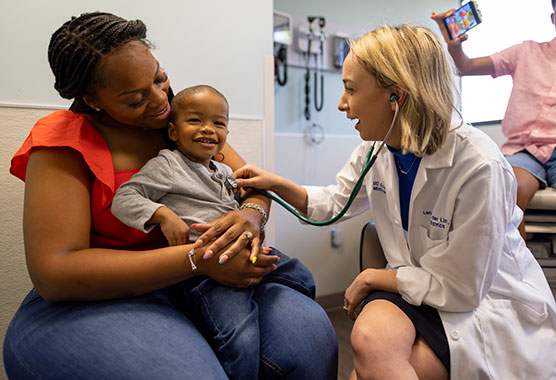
[(413, 59)]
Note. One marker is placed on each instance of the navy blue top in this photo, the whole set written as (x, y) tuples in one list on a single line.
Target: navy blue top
[(406, 166)]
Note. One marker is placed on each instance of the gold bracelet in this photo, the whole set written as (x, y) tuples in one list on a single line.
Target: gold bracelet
[(257, 208), (193, 260)]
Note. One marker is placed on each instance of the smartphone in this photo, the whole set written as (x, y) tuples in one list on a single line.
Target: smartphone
[(463, 19)]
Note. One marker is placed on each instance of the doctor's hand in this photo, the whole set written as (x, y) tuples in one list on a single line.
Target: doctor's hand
[(364, 283), (439, 18), (254, 177)]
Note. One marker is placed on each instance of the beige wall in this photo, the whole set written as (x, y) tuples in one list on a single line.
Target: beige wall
[(15, 124)]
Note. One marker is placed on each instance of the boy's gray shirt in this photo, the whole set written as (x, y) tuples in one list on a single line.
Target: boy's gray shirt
[(172, 180)]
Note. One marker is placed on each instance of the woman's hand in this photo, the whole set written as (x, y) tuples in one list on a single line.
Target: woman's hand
[(439, 18), (355, 293), (231, 233), (238, 272), (364, 283), (252, 176)]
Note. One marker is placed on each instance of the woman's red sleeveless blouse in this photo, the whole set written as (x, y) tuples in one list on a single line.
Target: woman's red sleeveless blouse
[(68, 129)]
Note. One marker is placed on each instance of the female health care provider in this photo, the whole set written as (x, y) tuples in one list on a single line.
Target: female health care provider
[(461, 297)]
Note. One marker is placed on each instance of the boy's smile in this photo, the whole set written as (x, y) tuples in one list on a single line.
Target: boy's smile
[(201, 126)]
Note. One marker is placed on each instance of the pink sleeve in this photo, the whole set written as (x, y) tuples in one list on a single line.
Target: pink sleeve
[(506, 60)]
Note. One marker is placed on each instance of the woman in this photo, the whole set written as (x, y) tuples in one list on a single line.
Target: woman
[(461, 297), (107, 301)]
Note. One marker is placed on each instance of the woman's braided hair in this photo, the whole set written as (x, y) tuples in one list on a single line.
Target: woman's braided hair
[(76, 48)]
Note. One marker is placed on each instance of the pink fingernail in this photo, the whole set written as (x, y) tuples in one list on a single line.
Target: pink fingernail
[(223, 259), (208, 254)]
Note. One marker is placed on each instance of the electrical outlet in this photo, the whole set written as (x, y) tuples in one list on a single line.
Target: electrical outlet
[(335, 237)]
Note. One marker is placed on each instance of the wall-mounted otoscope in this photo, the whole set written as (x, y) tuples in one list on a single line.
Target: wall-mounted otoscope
[(322, 38), (315, 35)]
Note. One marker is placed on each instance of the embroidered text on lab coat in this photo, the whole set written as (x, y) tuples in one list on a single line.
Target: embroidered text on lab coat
[(379, 186)]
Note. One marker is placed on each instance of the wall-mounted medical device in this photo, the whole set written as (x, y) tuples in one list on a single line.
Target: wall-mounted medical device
[(314, 134), (311, 43), (282, 35), (311, 37), (341, 50)]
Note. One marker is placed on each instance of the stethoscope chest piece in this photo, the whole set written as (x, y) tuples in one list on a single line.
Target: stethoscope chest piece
[(230, 183)]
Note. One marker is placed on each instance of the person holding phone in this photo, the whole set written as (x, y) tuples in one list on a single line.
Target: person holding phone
[(461, 296), (529, 124)]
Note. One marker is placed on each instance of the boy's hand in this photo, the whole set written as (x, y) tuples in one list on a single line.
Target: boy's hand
[(176, 231), (173, 227), (439, 18)]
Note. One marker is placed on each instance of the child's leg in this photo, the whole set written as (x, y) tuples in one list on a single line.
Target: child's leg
[(230, 318), (527, 186), (531, 176), (292, 273)]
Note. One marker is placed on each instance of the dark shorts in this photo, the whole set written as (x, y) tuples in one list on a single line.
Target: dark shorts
[(426, 320)]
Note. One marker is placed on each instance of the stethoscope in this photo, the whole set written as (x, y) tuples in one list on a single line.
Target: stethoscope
[(367, 165)]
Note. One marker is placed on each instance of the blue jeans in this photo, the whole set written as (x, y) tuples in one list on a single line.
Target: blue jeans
[(229, 317), (151, 337), (545, 173)]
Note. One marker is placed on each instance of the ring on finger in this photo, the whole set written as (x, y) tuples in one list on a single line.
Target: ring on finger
[(249, 235)]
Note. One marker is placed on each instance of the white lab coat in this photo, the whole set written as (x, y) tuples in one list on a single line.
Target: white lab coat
[(463, 256)]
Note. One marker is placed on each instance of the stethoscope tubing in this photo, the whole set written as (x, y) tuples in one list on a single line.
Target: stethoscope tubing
[(367, 165)]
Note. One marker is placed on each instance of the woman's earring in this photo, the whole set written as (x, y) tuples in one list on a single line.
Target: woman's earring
[(97, 109)]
